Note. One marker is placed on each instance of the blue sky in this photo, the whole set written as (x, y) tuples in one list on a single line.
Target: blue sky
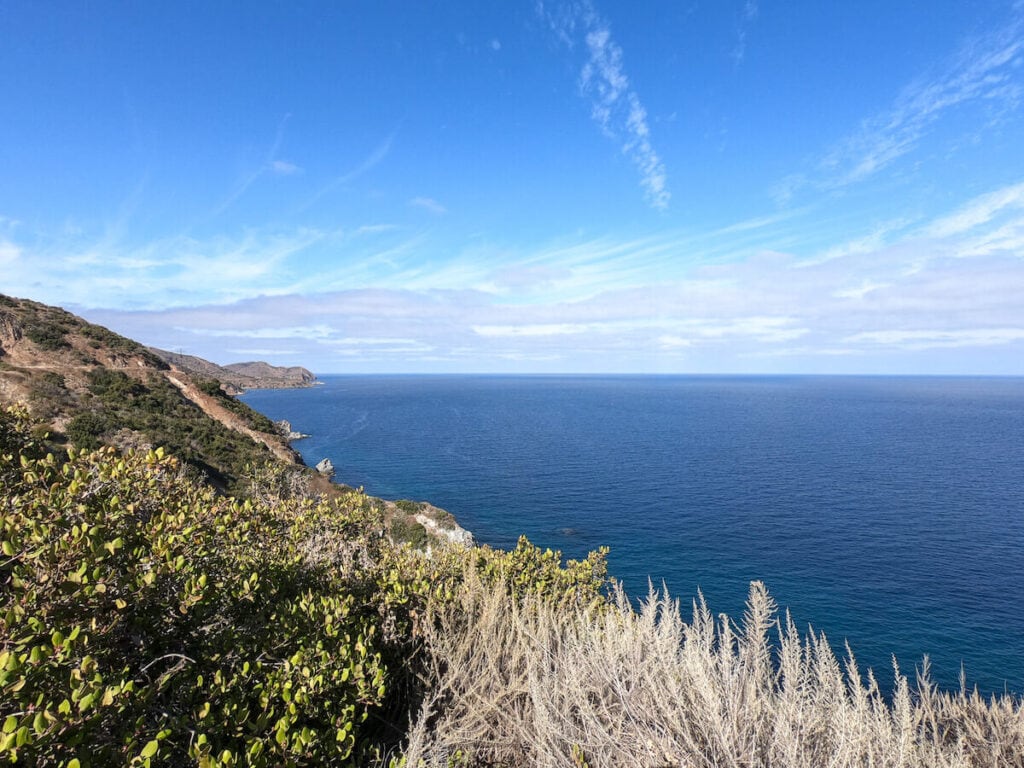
[(592, 186)]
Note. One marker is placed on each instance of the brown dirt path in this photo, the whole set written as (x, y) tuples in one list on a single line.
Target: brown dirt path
[(230, 420)]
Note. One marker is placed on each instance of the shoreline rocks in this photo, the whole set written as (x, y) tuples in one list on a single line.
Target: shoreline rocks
[(285, 428)]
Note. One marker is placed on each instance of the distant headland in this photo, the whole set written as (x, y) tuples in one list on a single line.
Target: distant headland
[(241, 377)]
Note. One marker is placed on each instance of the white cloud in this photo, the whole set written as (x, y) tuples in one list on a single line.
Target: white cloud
[(615, 105), (984, 73), (284, 168), (270, 163), (263, 352), (1008, 238), (930, 339), (381, 299), (764, 329), (872, 241), (376, 157), (294, 332), (9, 253), (978, 211), (860, 291), (371, 341), (720, 316), (670, 342), (429, 204), (747, 16), (519, 331)]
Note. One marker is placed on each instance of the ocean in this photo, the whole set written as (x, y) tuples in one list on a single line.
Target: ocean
[(886, 512)]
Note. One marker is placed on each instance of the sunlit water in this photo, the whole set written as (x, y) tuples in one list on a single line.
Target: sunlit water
[(888, 512)]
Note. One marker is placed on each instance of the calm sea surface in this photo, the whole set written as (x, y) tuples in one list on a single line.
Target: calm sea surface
[(888, 512)]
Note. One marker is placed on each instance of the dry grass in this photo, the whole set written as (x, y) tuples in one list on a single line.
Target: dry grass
[(525, 683)]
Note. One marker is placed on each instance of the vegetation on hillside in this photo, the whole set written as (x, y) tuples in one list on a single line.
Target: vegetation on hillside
[(53, 329), (151, 406), (146, 620), (95, 387), (238, 377)]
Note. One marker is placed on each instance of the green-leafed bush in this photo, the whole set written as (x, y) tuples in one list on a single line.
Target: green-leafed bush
[(252, 419), (150, 405), (48, 336), (103, 337), (145, 620), (406, 529), (86, 429)]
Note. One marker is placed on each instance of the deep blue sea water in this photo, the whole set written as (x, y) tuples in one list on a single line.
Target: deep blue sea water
[(888, 512)]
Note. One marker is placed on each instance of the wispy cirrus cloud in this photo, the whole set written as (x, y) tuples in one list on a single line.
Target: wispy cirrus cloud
[(375, 157), (314, 332), (979, 211), (271, 164), (263, 352), (747, 16), (9, 252), (428, 204), (85, 269), (892, 303), (943, 339), (983, 73), (519, 331), (284, 168), (734, 298), (615, 105)]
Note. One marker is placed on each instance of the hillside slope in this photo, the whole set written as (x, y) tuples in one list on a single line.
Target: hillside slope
[(92, 386)]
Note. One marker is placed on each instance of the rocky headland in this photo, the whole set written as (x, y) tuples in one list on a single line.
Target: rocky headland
[(241, 377)]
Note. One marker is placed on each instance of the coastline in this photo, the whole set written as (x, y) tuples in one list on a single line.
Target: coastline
[(709, 482), (438, 523)]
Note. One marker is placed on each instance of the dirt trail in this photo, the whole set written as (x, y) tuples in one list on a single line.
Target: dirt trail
[(230, 420)]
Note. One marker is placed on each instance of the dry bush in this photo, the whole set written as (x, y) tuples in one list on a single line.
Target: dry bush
[(525, 682)]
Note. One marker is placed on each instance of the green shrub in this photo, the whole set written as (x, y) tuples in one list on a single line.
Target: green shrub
[(86, 429), (142, 618), (49, 394), (407, 530), (48, 336), (210, 387), (104, 337), (146, 620)]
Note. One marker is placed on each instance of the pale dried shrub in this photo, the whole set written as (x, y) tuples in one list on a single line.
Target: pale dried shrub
[(523, 682)]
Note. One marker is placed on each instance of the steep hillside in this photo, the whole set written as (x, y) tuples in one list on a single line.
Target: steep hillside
[(92, 386), (238, 377)]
